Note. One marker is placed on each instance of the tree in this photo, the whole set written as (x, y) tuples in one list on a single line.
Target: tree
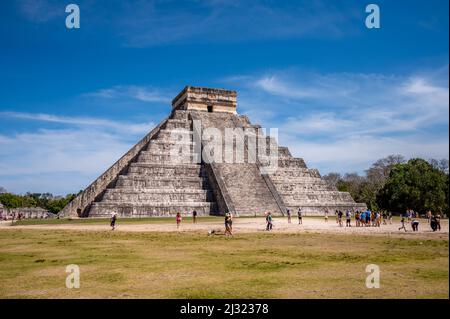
[(440, 164), (416, 184), (380, 170), (332, 178)]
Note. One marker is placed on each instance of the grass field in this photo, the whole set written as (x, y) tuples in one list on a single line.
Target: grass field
[(193, 265)]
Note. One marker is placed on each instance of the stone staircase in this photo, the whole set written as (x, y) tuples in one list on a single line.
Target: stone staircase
[(302, 187), (244, 184), (160, 182)]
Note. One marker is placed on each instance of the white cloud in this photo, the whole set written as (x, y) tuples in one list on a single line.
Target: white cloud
[(346, 121), (131, 128), (155, 23), (40, 11), (63, 160), (140, 93), (45, 157)]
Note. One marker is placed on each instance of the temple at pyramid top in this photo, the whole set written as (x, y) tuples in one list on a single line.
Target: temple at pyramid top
[(205, 99)]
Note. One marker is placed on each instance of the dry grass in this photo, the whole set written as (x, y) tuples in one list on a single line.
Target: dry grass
[(192, 265)]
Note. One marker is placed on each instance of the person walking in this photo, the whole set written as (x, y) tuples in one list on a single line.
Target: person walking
[(348, 219), (429, 215), (269, 221), (113, 221), (326, 215), (433, 223), (300, 217), (390, 218), (403, 224), (340, 214), (178, 219), (288, 212), (438, 222), (384, 217), (368, 215), (228, 227), (415, 224), (194, 216)]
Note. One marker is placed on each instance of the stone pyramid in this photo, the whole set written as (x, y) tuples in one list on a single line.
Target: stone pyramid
[(176, 168)]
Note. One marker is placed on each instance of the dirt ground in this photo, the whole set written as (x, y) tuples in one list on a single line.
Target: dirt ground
[(250, 225)]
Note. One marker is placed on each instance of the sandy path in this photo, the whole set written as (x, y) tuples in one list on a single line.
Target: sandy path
[(248, 225)]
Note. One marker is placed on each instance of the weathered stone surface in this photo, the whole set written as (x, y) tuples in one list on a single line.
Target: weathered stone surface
[(151, 180)]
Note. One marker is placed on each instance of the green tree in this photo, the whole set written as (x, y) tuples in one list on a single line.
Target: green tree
[(416, 184)]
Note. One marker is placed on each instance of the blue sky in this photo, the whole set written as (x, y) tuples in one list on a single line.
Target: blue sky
[(342, 96)]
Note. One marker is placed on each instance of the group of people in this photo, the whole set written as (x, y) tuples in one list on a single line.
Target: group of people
[(299, 215), (366, 218)]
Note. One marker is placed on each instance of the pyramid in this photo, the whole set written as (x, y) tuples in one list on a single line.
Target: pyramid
[(178, 167)]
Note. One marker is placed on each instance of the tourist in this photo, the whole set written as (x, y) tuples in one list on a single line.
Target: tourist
[(433, 223), (368, 216), (415, 224), (362, 219), (194, 216), (340, 218), (403, 224), (269, 221), (113, 221), (228, 223), (384, 217), (438, 222), (377, 219), (348, 219), (390, 218), (178, 218), (288, 212), (429, 215), (357, 216), (409, 214), (300, 218), (326, 215), (336, 213)]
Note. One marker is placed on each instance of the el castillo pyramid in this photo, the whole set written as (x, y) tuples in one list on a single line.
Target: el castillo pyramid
[(174, 168)]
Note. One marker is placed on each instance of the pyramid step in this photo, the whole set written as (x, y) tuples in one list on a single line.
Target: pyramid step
[(138, 182), (178, 123), (162, 146), (291, 162), (165, 171), (143, 197), (175, 135), (103, 209), (146, 157)]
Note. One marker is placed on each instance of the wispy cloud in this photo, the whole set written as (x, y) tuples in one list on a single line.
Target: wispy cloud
[(39, 160), (348, 120), (132, 128), (40, 11), (133, 92), (148, 23)]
